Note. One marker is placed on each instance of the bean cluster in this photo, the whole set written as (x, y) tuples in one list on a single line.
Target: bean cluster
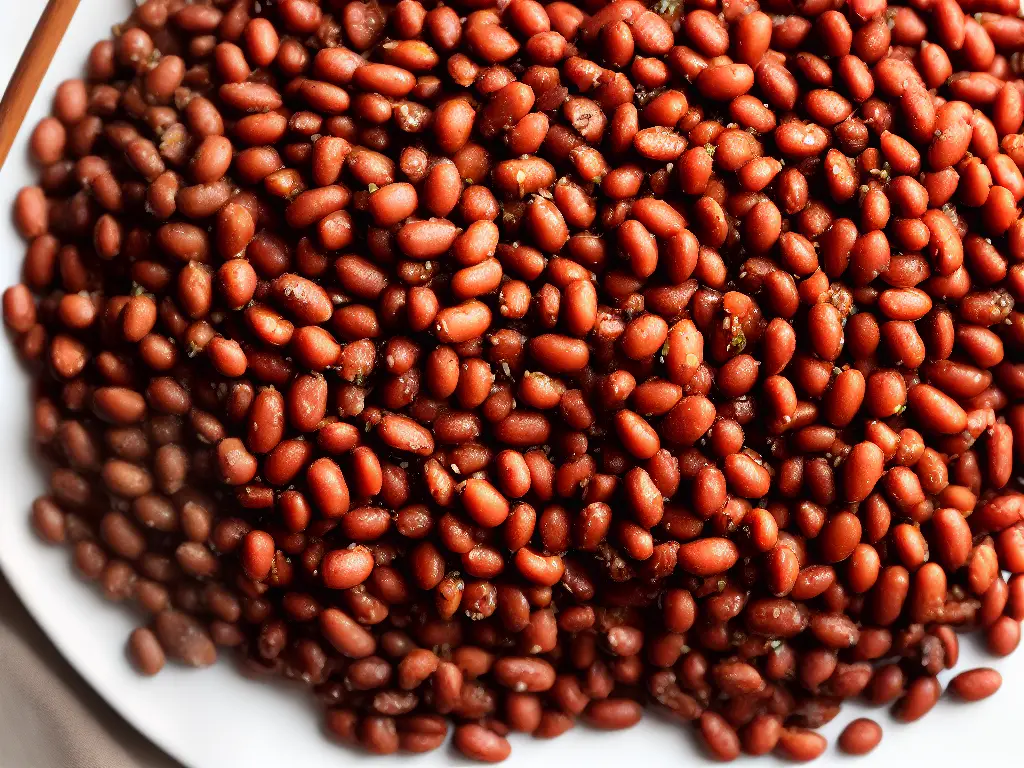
[(523, 363)]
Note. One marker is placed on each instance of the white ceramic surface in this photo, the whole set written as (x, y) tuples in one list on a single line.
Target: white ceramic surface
[(216, 718)]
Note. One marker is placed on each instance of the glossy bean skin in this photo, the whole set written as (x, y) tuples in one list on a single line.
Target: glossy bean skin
[(860, 737), (975, 684)]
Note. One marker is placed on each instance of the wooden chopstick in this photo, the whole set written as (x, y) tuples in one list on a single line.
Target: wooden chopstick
[(32, 66)]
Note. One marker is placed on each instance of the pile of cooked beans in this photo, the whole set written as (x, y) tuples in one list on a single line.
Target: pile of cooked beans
[(500, 367)]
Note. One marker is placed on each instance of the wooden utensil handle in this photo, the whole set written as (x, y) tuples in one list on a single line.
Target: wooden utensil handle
[(32, 65)]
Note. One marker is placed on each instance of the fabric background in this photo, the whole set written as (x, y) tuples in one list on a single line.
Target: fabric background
[(49, 716)]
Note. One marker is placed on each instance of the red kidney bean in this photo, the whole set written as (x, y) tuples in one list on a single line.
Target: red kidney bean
[(760, 735), (612, 714), (719, 737), (860, 737), (936, 410), (347, 568), (1003, 636), (348, 637), (146, 651), (707, 557), (800, 744), (481, 744), (975, 684), (184, 639), (922, 694), (257, 555)]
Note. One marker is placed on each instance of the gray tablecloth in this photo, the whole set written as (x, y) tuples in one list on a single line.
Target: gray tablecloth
[(49, 716)]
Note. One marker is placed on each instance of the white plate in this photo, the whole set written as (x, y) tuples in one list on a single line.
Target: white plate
[(217, 719)]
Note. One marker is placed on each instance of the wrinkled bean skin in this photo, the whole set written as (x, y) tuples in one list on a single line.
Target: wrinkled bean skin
[(522, 363)]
